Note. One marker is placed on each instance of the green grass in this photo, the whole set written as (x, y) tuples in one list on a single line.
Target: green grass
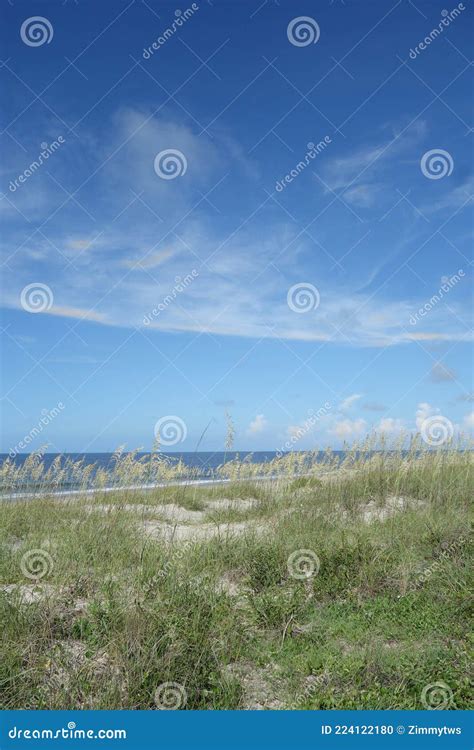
[(119, 613)]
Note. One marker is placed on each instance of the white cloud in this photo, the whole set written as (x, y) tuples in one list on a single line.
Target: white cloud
[(341, 171), (296, 431), (468, 421), (348, 429), (257, 425), (357, 171), (156, 231), (349, 401), (424, 411), (236, 293), (152, 260), (454, 198), (362, 196), (390, 425)]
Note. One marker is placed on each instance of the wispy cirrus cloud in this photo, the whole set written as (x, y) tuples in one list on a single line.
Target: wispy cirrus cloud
[(155, 232), (460, 195), (348, 402), (362, 173)]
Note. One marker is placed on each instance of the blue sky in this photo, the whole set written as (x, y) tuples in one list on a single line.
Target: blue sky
[(133, 293)]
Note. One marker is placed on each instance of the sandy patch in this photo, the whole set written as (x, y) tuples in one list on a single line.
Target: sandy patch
[(13, 545), (201, 532), (393, 504), (173, 512), (375, 511), (169, 511), (259, 685), (228, 504), (29, 593), (231, 583), (70, 659)]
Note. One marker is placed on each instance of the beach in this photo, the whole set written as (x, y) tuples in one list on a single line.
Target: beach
[(343, 588)]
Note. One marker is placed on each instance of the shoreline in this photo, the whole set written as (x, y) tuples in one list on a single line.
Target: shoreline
[(144, 487)]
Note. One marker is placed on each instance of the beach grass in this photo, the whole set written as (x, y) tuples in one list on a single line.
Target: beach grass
[(335, 585)]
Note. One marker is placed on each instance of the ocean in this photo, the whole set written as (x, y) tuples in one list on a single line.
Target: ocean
[(205, 461), (202, 468)]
